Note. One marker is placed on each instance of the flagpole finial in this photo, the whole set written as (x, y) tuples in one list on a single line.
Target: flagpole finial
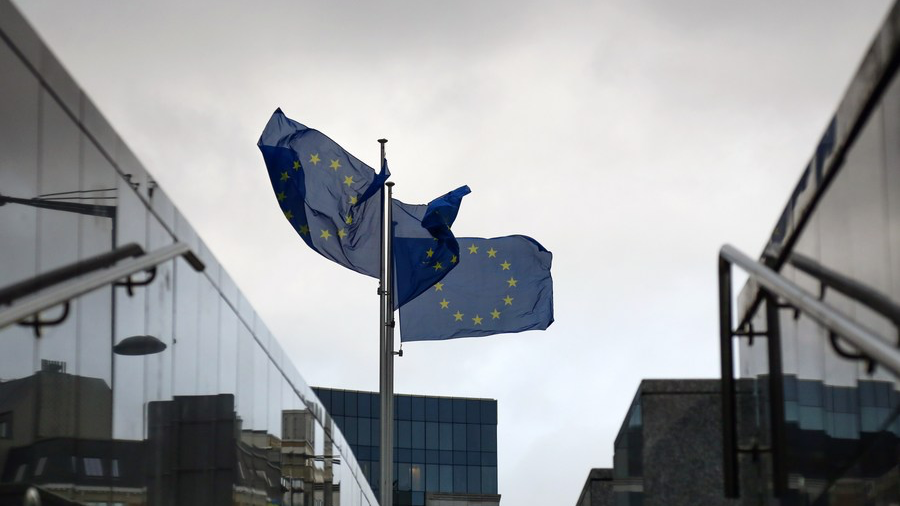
[(382, 141), (389, 183)]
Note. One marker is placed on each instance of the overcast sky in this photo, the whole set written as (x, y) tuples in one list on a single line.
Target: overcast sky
[(631, 138)]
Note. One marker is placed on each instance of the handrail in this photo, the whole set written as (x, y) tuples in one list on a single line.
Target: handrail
[(98, 280), (67, 272), (866, 295), (868, 342), (774, 289)]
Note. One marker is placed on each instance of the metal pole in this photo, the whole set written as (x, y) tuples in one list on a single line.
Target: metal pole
[(386, 325), (729, 411)]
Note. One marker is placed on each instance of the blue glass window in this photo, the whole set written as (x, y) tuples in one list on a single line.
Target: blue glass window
[(403, 481), (474, 479), (473, 437), (432, 411), (459, 410), (350, 403), (418, 408), (376, 406), (489, 412), (418, 499), (459, 458), (364, 405), (446, 410), (446, 457), (404, 455), (489, 438), (473, 411), (488, 459), (446, 430), (365, 431), (349, 429), (418, 456), (489, 480), (404, 407), (432, 478), (325, 398), (459, 479), (337, 403), (376, 432), (416, 472), (418, 435), (473, 458), (404, 428), (459, 436), (446, 479), (431, 457), (432, 435)]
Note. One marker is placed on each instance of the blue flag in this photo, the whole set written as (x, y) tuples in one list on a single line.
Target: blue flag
[(501, 285), (325, 193), (333, 200), (424, 247)]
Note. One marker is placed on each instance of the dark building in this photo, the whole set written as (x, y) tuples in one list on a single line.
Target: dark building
[(668, 451), (445, 447)]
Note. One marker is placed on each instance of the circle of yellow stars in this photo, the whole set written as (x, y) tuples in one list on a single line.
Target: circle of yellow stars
[(512, 282), (348, 181)]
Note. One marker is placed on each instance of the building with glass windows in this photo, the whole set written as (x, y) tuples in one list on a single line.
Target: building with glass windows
[(445, 447), (110, 309)]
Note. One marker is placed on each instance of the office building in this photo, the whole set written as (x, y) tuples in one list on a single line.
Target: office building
[(445, 448), (132, 369)]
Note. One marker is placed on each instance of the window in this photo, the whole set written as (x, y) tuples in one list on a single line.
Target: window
[(114, 471), (20, 472), (93, 466)]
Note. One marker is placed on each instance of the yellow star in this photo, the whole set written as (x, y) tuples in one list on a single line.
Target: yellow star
[(512, 281), (444, 304), (304, 229), (458, 316), (437, 266), (492, 253), (348, 180), (285, 176), (353, 200), (453, 259), (342, 233), (281, 196), (477, 320), (325, 234), (335, 164), (505, 265), (296, 165), (473, 249), (438, 287), (314, 159), (507, 301), (348, 220), (495, 315), (430, 252), (289, 215)]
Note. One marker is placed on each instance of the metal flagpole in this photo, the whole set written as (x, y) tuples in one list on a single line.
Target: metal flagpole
[(386, 380)]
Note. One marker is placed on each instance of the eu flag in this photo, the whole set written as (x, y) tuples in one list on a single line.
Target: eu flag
[(424, 247), (328, 195), (500, 285), (333, 200)]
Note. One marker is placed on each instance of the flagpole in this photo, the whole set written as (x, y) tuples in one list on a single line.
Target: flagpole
[(386, 326)]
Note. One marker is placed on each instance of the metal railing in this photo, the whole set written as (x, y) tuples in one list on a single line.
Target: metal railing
[(779, 292), (123, 270)]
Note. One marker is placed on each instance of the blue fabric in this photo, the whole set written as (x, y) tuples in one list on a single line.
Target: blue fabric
[(328, 195), (500, 285), (333, 200), (424, 247)]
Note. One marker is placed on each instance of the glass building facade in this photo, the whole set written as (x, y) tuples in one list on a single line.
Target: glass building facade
[(219, 416), (441, 444), (842, 221)]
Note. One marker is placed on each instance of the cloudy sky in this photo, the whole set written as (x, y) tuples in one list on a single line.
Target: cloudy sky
[(632, 139)]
